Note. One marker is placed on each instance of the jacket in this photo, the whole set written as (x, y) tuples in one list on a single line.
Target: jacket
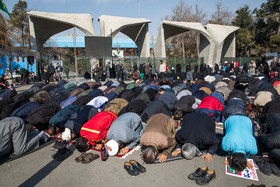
[(136, 106), (14, 137), (95, 130), (127, 129), (200, 130), (40, 116), (68, 101), (211, 106), (235, 107), (271, 137), (115, 105), (160, 133), (239, 136), (153, 108), (61, 117), (23, 111), (80, 117)]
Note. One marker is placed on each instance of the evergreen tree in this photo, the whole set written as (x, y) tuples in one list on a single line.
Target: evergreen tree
[(19, 25)]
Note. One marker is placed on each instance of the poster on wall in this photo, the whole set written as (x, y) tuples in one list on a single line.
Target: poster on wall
[(245, 174)]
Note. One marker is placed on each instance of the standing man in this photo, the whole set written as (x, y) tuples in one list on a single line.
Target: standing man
[(108, 70), (51, 72), (118, 71), (97, 72), (59, 70), (162, 69), (147, 70), (67, 72)]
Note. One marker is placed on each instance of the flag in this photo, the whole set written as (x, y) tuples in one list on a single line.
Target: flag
[(4, 8)]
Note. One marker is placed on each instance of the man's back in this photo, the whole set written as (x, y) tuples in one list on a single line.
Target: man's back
[(198, 129)]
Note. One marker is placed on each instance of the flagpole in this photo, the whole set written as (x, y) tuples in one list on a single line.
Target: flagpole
[(75, 53)]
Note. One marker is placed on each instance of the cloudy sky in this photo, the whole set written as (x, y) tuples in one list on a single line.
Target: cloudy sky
[(154, 10)]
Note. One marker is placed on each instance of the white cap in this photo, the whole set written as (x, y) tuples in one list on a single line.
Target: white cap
[(114, 147)]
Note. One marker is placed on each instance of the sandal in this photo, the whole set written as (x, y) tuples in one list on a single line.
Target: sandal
[(89, 158), (81, 157)]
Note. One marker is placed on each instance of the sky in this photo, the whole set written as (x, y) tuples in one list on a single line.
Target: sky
[(154, 10)]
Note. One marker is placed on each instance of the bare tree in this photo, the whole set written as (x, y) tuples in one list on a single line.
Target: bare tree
[(185, 44), (222, 15)]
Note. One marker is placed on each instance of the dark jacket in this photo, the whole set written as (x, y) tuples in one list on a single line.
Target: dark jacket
[(185, 104), (269, 108), (271, 137), (40, 116), (51, 69), (23, 111), (198, 129), (80, 117), (60, 118), (155, 107), (19, 100), (82, 100), (235, 107), (136, 106)]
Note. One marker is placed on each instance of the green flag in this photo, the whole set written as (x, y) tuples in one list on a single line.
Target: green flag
[(4, 8)]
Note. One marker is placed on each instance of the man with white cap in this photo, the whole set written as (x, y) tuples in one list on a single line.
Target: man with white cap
[(124, 132)]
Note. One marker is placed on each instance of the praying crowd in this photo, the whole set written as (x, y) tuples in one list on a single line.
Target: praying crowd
[(169, 114)]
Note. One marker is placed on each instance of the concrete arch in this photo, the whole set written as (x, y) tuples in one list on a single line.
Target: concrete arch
[(135, 28), (224, 37), (43, 25), (172, 28), (215, 40)]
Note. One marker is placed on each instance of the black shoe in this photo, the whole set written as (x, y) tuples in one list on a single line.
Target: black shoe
[(59, 145), (62, 154), (130, 169), (197, 173), (206, 177), (138, 166), (275, 170), (264, 166)]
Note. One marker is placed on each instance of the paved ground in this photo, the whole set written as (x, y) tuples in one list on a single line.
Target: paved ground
[(39, 169)]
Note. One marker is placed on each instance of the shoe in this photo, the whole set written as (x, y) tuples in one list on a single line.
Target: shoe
[(206, 177), (197, 173), (89, 157), (59, 145), (138, 166), (275, 170), (81, 157), (264, 166), (62, 154), (130, 169)]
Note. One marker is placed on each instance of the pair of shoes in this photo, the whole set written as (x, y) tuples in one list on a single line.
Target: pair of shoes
[(197, 173), (134, 168), (59, 145), (62, 154), (264, 165), (202, 176)]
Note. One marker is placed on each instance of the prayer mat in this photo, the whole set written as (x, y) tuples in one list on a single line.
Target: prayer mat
[(73, 142)]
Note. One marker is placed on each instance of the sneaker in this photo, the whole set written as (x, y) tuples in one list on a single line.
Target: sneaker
[(264, 166), (275, 170)]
